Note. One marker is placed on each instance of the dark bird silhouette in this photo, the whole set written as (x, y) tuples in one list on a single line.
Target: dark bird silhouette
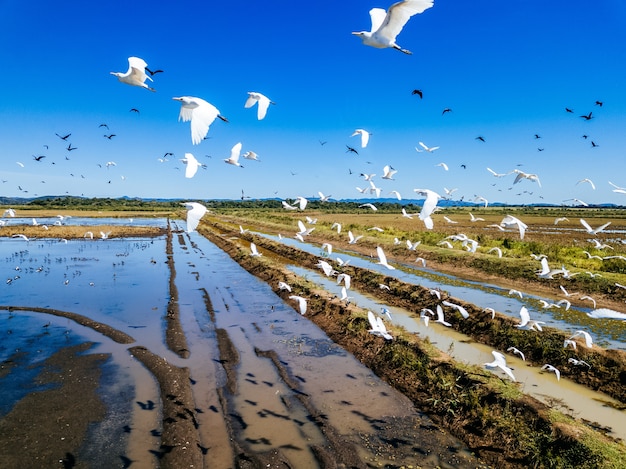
[(585, 137), (134, 110), (463, 166), (70, 147), (482, 139), (599, 103), (63, 137), (153, 73), (537, 136), (46, 147), (322, 142), (351, 150), (418, 92), (446, 110), (103, 125), (110, 136), (588, 117), (594, 144), (39, 158), (540, 149), (569, 110)]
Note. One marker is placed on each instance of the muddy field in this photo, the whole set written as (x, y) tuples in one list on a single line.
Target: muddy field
[(218, 408)]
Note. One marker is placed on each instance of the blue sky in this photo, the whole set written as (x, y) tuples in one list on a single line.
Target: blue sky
[(507, 69)]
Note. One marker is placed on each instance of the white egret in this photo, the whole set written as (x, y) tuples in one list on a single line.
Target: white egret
[(560, 219), (498, 175), (262, 100), (427, 148), (510, 220), (592, 230), (388, 173), (516, 292), (522, 175), (576, 362), (284, 286), (497, 250), (337, 226), (324, 198), (365, 136), (569, 342), (377, 326), (474, 218), (200, 113), (500, 362), (194, 213), (587, 297), (302, 202), (302, 304), (449, 220), (589, 181), (548, 367), (567, 304), (234, 155), (254, 251), (516, 351), (428, 207), (397, 194), (345, 278), (443, 165), (618, 189), (459, 308), (386, 25), (586, 335), (250, 155), (601, 313), (286, 206), (192, 165), (440, 317), (382, 258), (525, 317), (327, 268), (136, 73)]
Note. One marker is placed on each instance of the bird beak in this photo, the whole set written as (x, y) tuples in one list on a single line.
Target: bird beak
[(177, 99)]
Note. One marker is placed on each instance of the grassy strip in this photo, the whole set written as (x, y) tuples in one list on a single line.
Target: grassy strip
[(503, 426)]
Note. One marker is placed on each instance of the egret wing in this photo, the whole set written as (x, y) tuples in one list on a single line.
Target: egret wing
[(398, 15)]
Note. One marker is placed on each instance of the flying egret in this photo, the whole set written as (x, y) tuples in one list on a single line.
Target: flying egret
[(498, 175), (591, 230), (284, 286), (345, 278), (474, 218), (254, 251), (327, 268), (428, 207), (560, 219), (548, 367), (525, 317), (200, 113), (500, 362), (576, 362), (459, 308), (337, 226), (440, 317), (522, 175), (387, 25), (586, 335), (510, 220), (426, 148), (194, 214), (234, 155), (589, 181), (365, 136), (601, 313), (388, 173), (136, 73), (516, 351), (382, 258), (263, 101), (302, 202), (324, 198), (302, 304), (443, 165), (377, 326), (250, 155), (368, 205), (192, 165)]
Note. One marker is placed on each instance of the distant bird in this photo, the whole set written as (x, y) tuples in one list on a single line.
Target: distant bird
[(365, 136), (482, 139), (135, 110), (500, 362), (192, 165), (522, 175), (200, 113), (443, 165), (591, 230), (109, 136), (599, 103), (560, 219), (510, 221), (576, 362), (351, 150), (378, 326), (428, 207), (446, 110), (263, 103), (152, 73), (302, 303), (71, 148), (387, 25), (498, 175), (585, 335), (418, 92), (324, 198), (39, 158), (589, 181), (462, 311), (368, 205), (63, 137), (21, 236), (388, 172), (194, 213), (250, 155), (587, 117), (353, 239), (284, 286), (428, 149), (548, 367), (382, 258), (474, 218), (136, 73), (254, 251), (516, 351), (618, 189), (234, 155)]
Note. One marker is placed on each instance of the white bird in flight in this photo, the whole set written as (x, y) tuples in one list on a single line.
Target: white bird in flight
[(302, 304), (263, 101), (589, 181), (200, 113), (136, 73), (500, 362), (388, 172), (510, 220), (382, 258), (194, 214), (192, 165), (254, 252), (365, 136), (548, 367), (591, 230), (378, 326), (386, 25), (428, 207), (234, 155), (428, 149)]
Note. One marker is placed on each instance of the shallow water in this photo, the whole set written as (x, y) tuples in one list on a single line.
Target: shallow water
[(606, 332)]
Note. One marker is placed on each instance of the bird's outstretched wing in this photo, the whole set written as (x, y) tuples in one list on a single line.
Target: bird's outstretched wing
[(203, 117), (398, 15)]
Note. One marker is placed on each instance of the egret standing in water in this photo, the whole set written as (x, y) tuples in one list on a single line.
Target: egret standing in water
[(386, 25), (200, 113), (136, 73)]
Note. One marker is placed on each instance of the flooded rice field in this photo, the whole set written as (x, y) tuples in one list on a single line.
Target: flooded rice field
[(267, 386)]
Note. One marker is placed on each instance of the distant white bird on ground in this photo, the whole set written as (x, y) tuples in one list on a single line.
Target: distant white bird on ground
[(200, 113), (302, 304), (589, 181), (263, 101), (136, 73), (377, 326), (194, 213), (500, 362), (365, 136), (510, 221), (234, 155), (192, 165), (382, 258), (548, 367), (254, 251), (426, 148), (516, 351), (429, 206), (591, 230), (386, 25)]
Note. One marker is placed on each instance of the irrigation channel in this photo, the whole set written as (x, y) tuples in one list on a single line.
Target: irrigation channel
[(246, 381)]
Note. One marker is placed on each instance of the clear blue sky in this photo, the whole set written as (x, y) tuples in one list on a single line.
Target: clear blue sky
[(507, 69)]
